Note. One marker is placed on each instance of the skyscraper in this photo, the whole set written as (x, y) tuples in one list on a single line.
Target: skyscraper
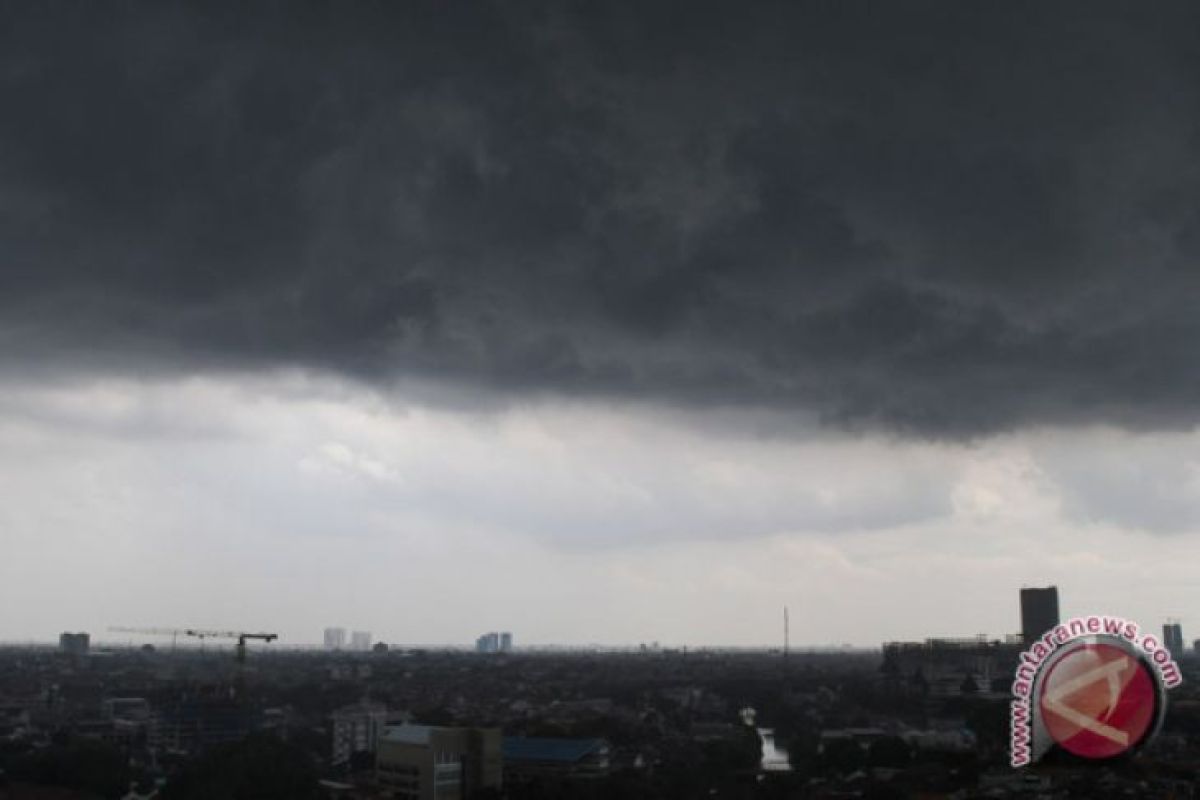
[(335, 638), (1039, 611), (1173, 639), (360, 640), (505, 642)]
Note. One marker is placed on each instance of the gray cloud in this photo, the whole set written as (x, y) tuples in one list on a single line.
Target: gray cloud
[(936, 219), (1136, 483)]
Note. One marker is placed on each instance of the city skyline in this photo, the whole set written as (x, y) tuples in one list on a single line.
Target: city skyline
[(600, 325), (1039, 611)]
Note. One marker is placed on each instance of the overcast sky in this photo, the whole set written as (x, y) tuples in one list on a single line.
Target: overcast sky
[(598, 322)]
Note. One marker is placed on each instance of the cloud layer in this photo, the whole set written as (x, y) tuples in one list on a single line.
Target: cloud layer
[(295, 503), (932, 218)]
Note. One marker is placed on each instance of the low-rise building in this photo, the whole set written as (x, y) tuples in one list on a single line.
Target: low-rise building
[(75, 644), (536, 757)]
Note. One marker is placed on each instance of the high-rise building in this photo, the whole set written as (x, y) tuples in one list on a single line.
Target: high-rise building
[(505, 642), (360, 640), (423, 762), (335, 638), (194, 725), (1039, 612), (76, 644), (1173, 639), (488, 643), (356, 729)]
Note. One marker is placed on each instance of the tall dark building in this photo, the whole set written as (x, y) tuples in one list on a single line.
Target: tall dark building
[(1039, 612), (1173, 639)]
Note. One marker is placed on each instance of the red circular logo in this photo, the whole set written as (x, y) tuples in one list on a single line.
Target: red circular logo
[(1098, 700)]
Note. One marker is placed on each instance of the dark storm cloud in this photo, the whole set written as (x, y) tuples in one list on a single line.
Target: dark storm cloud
[(942, 218)]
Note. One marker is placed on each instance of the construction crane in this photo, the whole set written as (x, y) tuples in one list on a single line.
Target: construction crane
[(239, 635), (172, 632), (197, 633)]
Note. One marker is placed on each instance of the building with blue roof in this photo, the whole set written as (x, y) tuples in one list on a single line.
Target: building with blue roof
[(539, 757)]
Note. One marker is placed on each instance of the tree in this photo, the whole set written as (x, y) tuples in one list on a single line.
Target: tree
[(743, 751), (802, 750), (889, 751), (82, 764), (259, 767), (841, 756)]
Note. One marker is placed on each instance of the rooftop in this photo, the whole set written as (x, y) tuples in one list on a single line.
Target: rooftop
[(408, 734), (520, 748)]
